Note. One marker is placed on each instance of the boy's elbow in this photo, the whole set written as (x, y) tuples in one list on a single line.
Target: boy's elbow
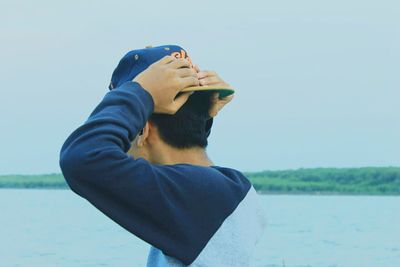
[(71, 167)]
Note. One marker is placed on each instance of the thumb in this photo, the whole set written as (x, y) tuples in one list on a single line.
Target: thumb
[(181, 100)]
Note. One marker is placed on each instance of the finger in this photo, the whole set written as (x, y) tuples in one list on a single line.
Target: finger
[(206, 73), (179, 63), (180, 100), (186, 72), (210, 80), (215, 97), (221, 101), (166, 60), (213, 111), (188, 81), (196, 68), (227, 99)]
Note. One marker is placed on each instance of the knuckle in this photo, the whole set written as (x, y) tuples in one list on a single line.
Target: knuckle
[(194, 80), (192, 73), (185, 61), (176, 80), (207, 80), (170, 72), (176, 83)]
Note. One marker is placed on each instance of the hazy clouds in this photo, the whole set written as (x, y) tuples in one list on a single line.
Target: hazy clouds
[(318, 82)]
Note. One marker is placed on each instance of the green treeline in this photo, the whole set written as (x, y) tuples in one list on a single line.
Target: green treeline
[(371, 181), (51, 181)]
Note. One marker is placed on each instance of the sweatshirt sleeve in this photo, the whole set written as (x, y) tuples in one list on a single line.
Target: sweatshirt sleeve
[(171, 207)]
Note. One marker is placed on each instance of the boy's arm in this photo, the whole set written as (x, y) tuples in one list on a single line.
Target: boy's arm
[(146, 200)]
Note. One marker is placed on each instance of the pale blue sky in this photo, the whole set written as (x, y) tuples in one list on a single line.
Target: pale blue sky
[(318, 81)]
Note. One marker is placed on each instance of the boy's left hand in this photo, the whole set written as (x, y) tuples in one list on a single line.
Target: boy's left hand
[(207, 78)]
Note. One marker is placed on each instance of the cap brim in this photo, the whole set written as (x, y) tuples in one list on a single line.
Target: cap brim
[(223, 91)]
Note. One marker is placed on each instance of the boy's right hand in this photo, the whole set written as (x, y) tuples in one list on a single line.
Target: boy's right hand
[(164, 80)]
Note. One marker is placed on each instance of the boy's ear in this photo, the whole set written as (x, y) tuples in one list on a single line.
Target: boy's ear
[(142, 137)]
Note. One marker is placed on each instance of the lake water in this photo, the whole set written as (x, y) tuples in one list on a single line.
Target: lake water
[(57, 228)]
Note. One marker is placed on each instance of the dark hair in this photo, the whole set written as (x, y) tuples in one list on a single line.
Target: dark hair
[(187, 127)]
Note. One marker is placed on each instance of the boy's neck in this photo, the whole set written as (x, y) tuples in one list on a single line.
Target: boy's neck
[(194, 156)]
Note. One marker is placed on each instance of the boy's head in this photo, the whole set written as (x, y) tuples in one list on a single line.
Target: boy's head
[(187, 129), (168, 138)]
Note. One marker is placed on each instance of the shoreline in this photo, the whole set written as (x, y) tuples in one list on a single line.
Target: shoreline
[(366, 181), (263, 193)]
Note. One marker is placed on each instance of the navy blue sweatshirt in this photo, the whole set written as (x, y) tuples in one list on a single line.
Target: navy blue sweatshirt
[(175, 208)]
